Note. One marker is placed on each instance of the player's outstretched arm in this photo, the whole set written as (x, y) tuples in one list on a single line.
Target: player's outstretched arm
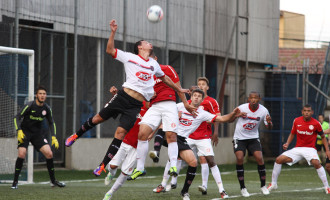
[(111, 42), (231, 116)]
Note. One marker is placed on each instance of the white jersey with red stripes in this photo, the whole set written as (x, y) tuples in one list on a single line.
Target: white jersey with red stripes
[(139, 72), (247, 127), (188, 124)]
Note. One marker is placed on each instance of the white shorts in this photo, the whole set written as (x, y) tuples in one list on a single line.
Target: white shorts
[(165, 112), (203, 147), (298, 153), (126, 157)]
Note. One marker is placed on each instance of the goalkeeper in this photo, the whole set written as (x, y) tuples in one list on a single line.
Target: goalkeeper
[(29, 123)]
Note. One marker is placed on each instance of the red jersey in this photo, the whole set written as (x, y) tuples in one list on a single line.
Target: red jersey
[(306, 131), (164, 92), (204, 131), (131, 137)]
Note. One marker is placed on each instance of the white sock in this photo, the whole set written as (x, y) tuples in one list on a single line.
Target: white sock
[(323, 176), (113, 171), (141, 154), (166, 176), (276, 172), (119, 182), (217, 177), (173, 153), (205, 174), (174, 180)]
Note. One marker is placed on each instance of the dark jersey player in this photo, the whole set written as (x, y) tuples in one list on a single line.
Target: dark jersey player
[(29, 125)]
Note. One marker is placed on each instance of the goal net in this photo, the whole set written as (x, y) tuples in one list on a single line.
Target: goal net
[(16, 88)]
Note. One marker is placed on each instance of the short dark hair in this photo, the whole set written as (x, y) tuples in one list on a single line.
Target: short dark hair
[(136, 46), (40, 87), (198, 91), (321, 115), (255, 92), (203, 79), (308, 106)]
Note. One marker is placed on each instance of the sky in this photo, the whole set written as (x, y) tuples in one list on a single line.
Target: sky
[(317, 18)]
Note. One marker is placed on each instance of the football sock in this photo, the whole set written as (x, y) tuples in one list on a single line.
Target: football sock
[(173, 152), (119, 182), (276, 172), (141, 154), (166, 176), (112, 171), (323, 176), (159, 140), (205, 174), (85, 127), (262, 174), (191, 173), (51, 170), (174, 180), (18, 168), (240, 175), (111, 152), (217, 177)]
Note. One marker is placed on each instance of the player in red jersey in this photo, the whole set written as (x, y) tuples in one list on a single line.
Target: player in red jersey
[(202, 139), (163, 110), (126, 155), (306, 128)]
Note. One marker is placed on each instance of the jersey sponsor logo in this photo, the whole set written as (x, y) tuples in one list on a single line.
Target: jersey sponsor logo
[(249, 126), (36, 118), (253, 118), (144, 76), (304, 132), (299, 125), (185, 122), (43, 112), (311, 127), (146, 67)]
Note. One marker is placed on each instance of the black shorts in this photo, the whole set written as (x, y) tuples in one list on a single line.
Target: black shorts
[(37, 139), (319, 147), (125, 105), (182, 143), (251, 145)]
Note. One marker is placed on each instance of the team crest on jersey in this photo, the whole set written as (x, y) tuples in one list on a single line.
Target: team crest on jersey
[(249, 126), (185, 122), (143, 76), (43, 112), (173, 125), (152, 68), (45, 140), (311, 127)]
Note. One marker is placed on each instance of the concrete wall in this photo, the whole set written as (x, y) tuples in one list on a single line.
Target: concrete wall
[(87, 154), (8, 155)]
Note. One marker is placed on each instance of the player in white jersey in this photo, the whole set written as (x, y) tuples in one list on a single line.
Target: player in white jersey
[(188, 124), (138, 87), (246, 137)]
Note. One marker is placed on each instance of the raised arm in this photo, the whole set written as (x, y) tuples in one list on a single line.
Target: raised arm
[(231, 116), (111, 42), (269, 122)]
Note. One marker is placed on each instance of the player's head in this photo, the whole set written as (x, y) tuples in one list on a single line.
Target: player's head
[(307, 112), (142, 45), (321, 118), (197, 96), (41, 94), (203, 84), (254, 98), (192, 88)]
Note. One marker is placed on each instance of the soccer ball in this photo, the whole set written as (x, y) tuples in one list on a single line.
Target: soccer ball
[(155, 14)]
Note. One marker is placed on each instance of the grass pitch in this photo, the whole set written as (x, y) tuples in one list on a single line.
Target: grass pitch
[(297, 182)]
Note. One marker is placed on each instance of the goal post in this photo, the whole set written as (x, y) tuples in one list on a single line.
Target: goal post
[(6, 92)]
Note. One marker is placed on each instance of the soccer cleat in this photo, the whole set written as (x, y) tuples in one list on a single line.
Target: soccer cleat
[(202, 189), (244, 192), (136, 174), (99, 169), (271, 187), (159, 189), (327, 190), (108, 179), (107, 196), (224, 195), (173, 186), (173, 172), (154, 155), (70, 140), (14, 185), (185, 196), (264, 190), (57, 184)]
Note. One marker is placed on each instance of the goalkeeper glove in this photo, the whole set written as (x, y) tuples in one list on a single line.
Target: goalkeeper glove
[(20, 136), (55, 142)]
